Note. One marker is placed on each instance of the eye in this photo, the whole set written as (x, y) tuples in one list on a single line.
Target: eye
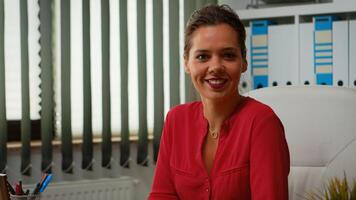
[(229, 55), (202, 57)]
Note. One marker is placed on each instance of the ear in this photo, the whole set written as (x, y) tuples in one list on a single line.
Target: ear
[(244, 66), (186, 67)]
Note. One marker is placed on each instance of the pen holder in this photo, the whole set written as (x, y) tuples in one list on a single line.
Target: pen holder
[(25, 197)]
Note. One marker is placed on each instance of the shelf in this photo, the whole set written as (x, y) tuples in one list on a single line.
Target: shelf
[(300, 10)]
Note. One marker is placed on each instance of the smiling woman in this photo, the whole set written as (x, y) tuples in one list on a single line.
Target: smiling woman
[(215, 66), (225, 146)]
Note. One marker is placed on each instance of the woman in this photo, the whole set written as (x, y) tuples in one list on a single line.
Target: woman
[(227, 146)]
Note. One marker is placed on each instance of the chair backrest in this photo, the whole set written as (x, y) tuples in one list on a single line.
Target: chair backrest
[(320, 127)]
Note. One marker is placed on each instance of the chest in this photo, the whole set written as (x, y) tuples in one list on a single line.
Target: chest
[(209, 151), (216, 171)]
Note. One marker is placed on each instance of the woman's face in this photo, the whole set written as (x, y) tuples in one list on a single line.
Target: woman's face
[(214, 62)]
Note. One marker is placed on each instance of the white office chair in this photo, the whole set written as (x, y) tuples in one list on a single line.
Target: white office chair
[(320, 127)]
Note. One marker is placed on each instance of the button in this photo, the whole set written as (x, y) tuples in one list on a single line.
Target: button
[(207, 190)]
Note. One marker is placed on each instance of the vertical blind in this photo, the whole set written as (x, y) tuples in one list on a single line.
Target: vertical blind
[(157, 11), (3, 122), (114, 77), (125, 139), (87, 147), (25, 92), (142, 83), (105, 54), (66, 131), (47, 93)]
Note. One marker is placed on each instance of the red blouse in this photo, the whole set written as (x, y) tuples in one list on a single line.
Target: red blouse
[(251, 161)]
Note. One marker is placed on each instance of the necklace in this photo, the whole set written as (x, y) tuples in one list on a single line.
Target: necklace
[(213, 134)]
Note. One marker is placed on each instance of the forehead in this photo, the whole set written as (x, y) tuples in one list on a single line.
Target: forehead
[(214, 36)]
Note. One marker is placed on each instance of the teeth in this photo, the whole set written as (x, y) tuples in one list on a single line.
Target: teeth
[(219, 81)]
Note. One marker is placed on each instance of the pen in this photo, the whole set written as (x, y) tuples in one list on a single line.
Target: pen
[(17, 188), (21, 190), (44, 175), (37, 188), (45, 182)]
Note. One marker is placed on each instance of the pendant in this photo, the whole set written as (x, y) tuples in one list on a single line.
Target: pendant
[(214, 134)]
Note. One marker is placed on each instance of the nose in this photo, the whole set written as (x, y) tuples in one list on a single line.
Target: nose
[(215, 65)]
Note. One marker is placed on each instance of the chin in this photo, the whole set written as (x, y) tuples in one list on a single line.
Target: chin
[(217, 96)]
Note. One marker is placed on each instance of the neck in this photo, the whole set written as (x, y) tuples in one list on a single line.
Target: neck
[(218, 111)]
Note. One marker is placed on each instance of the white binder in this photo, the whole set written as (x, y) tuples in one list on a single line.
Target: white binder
[(306, 56), (352, 53), (246, 79), (340, 53), (282, 55)]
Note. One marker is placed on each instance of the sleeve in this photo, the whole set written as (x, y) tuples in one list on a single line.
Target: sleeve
[(269, 160), (163, 187)]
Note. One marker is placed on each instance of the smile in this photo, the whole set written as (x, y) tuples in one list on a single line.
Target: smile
[(216, 83)]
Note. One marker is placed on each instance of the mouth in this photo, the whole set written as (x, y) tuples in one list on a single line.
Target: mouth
[(216, 83)]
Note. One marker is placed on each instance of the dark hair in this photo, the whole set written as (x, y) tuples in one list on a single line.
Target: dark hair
[(214, 15)]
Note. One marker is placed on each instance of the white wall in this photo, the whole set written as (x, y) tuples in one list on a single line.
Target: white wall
[(235, 4)]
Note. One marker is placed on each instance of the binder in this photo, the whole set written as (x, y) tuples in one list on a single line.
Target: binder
[(306, 50), (323, 50), (340, 53), (352, 53), (245, 84), (282, 55), (259, 53)]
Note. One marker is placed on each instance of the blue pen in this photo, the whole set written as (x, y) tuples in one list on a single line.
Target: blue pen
[(45, 182)]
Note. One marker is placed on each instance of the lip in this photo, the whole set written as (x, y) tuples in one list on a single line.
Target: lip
[(216, 83)]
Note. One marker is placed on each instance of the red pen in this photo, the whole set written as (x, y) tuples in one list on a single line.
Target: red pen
[(17, 189), (21, 190)]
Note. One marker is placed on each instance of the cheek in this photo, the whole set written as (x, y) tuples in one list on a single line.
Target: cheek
[(235, 74), (193, 69)]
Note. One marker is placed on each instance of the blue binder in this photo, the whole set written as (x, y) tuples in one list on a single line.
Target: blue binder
[(323, 50), (259, 53)]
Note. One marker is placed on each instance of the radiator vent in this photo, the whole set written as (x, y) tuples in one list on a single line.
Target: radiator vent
[(100, 189)]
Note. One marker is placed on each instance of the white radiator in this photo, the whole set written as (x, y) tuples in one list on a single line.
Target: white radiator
[(100, 189)]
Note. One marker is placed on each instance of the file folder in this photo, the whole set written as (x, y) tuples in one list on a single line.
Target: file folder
[(340, 53), (259, 53), (282, 55), (352, 53), (323, 50), (245, 84), (306, 51)]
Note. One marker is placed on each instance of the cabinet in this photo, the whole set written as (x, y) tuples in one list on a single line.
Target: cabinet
[(294, 56)]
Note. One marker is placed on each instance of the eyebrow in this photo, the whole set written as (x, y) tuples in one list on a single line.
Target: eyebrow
[(230, 49), (201, 51), (224, 49)]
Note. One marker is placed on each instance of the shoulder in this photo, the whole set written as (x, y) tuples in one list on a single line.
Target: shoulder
[(263, 116), (256, 114), (182, 110), (183, 119), (184, 114), (253, 110), (257, 108)]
